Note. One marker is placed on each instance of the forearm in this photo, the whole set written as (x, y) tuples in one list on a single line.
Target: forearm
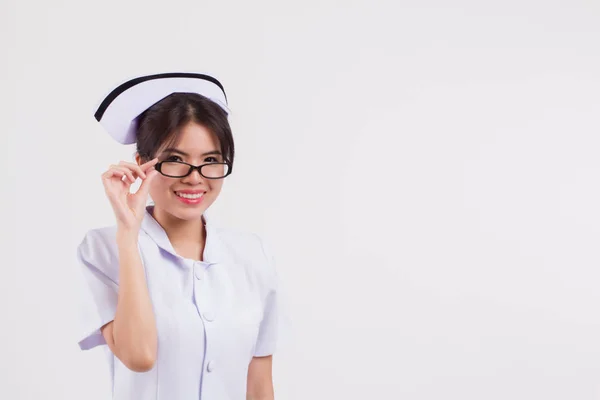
[(260, 397), (260, 379), (134, 327)]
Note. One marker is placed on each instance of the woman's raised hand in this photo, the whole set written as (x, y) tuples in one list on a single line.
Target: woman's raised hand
[(129, 208)]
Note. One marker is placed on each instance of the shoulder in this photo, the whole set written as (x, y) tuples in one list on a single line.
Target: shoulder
[(99, 239), (98, 250), (248, 248), (248, 243)]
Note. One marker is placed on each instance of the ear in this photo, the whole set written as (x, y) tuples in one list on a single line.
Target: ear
[(138, 159)]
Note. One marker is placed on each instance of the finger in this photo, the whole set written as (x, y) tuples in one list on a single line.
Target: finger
[(149, 165), (146, 183), (129, 177), (111, 174), (133, 167), (127, 172), (124, 172), (110, 178), (126, 169)]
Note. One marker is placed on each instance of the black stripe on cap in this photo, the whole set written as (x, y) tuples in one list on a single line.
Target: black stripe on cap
[(136, 81)]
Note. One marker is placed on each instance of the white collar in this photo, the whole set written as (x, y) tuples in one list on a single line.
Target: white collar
[(156, 232)]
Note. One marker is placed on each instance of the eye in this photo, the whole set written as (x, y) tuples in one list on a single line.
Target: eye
[(173, 158), (211, 159)]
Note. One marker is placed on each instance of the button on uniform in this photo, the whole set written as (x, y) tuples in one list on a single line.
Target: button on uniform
[(210, 367), (209, 316)]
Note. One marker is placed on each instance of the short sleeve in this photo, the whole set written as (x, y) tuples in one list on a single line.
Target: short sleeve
[(270, 327), (99, 265)]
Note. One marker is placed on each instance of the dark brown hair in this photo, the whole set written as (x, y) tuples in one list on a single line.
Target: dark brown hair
[(160, 125)]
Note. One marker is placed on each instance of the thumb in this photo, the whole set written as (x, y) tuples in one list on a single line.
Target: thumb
[(146, 183)]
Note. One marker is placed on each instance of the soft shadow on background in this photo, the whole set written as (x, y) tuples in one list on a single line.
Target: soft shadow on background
[(427, 176)]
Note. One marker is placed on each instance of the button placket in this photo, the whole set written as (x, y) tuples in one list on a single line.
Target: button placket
[(199, 289), (204, 304), (198, 271)]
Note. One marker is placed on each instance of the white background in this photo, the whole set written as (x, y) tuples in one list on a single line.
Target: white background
[(426, 172)]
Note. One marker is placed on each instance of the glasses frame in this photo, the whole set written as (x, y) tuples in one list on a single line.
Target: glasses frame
[(159, 164)]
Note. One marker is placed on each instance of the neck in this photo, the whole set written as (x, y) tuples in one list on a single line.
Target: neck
[(186, 236)]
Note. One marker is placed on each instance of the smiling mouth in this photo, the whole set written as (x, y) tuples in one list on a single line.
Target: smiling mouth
[(190, 196)]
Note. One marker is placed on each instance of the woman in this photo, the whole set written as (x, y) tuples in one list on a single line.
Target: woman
[(188, 310)]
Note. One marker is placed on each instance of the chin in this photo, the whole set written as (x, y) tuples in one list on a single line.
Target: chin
[(182, 212), (186, 212)]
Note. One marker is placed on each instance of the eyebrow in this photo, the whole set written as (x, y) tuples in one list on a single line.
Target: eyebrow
[(183, 153)]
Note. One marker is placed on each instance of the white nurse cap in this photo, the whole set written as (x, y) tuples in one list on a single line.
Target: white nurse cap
[(118, 112)]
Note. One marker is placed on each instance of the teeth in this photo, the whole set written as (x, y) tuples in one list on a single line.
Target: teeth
[(189, 196)]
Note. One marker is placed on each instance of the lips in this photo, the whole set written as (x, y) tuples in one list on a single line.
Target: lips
[(190, 195)]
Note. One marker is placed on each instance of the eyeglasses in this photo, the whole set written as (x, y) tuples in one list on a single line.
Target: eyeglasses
[(180, 169)]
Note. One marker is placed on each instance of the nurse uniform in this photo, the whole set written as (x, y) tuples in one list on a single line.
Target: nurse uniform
[(212, 316)]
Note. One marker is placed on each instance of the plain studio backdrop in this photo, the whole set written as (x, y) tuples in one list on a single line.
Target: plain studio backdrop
[(425, 171)]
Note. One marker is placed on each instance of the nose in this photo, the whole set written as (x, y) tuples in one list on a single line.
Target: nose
[(194, 178)]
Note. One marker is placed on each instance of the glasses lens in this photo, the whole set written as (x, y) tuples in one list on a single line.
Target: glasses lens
[(174, 168), (215, 171)]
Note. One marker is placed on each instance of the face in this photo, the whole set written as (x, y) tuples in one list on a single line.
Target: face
[(187, 198)]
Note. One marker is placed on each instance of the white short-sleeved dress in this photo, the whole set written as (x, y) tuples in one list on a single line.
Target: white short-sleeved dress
[(212, 316)]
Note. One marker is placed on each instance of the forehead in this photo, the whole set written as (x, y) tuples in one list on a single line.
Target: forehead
[(195, 138)]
